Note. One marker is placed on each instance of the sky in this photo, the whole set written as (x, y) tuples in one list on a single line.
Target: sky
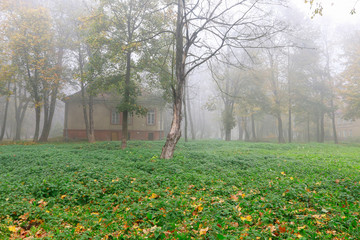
[(336, 12)]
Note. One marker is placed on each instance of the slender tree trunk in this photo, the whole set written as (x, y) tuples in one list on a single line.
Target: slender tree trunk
[(245, 131), (290, 102), (318, 127), (280, 129), (5, 113), (84, 107), (185, 118), (175, 133), (20, 110), (37, 121), (308, 127), (322, 127), (253, 132), (240, 129), (188, 106), (336, 141), (126, 100), (91, 136)]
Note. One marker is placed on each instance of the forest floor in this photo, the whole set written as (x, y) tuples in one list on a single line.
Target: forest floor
[(209, 190)]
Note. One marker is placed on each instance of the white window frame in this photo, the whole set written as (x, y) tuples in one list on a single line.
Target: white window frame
[(150, 117), (115, 117)]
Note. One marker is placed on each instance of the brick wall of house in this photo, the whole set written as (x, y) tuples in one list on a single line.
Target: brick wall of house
[(111, 135)]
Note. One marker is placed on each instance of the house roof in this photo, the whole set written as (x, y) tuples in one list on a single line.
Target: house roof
[(145, 98)]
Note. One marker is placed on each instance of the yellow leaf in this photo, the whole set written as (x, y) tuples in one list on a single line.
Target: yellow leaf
[(291, 178), (283, 173), (12, 228), (298, 235), (63, 196), (203, 231), (154, 195), (200, 208), (303, 227), (247, 218)]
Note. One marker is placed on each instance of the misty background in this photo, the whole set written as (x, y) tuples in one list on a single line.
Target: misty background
[(296, 84)]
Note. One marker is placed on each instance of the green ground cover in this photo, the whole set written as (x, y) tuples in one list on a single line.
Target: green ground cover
[(210, 190)]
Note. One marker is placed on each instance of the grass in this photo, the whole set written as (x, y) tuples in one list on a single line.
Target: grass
[(210, 190)]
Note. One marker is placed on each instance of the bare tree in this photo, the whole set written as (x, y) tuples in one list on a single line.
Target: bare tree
[(225, 23)]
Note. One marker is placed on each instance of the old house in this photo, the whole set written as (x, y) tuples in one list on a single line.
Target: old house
[(107, 119)]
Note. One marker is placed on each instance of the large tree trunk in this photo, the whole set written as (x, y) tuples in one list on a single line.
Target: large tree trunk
[(5, 113), (280, 129), (50, 115), (227, 134), (50, 108), (175, 133)]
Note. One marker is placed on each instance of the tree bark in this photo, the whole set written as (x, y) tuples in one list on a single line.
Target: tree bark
[(253, 132), (240, 129), (84, 107), (280, 129), (49, 110), (5, 113), (37, 121), (336, 141), (185, 117), (322, 127), (175, 132), (308, 127), (244, 127), (188, 106), (91, 136), (126, 100)]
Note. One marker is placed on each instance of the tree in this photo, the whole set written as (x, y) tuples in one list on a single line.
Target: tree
[(221, 21), (131, 24), (351, 77), (31, 40)]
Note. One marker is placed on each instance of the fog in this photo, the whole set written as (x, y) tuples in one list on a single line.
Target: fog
[(287, 72)]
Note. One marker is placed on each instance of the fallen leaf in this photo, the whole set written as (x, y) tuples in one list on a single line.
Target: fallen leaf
[(154, 195), (12, 228), (247, 218), (204, 231), (234, 197), (300, 228)]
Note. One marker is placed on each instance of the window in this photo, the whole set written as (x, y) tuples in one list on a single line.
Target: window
[(115, 117), (150, 119)]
